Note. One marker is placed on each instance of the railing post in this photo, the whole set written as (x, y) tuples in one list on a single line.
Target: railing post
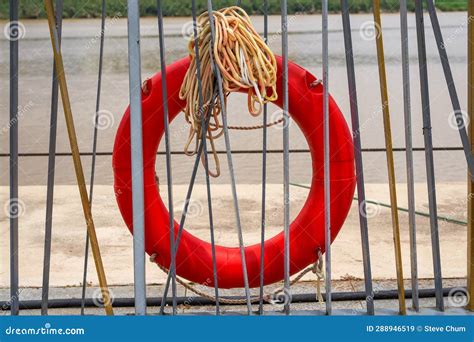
[(138, 200), (389, 154), (409, 153), (14, 204), (51, 168), (470, 199), (362, 204), (327, 157), (286, 156)]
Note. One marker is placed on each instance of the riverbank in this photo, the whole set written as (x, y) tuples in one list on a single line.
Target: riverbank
[(118, 8)]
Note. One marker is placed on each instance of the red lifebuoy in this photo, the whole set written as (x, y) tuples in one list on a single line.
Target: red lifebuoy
[(194, 258)]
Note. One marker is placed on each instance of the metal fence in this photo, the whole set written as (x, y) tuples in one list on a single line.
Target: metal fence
[(140, 300)]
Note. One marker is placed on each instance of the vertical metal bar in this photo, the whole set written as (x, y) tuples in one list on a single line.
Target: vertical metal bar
[(51, 168), (192, 181), (389, 153), (94, 151), (364, 232), (138, 200), (451, 85), (206, 159), (169, 173), (430, 176), (327, 158), (186, 207), (409, 153), (81, 183), (229, 160), (470, 182), (286, 157), (211, 218), (264, 174), (14, 203)]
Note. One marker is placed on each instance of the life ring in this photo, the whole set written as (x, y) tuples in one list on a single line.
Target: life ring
[(194, 258)]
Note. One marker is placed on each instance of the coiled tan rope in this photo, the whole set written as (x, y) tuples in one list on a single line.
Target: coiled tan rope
[(316, 268), (245, 62)]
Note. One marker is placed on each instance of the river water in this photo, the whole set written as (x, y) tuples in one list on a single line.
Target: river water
[(80, 52)]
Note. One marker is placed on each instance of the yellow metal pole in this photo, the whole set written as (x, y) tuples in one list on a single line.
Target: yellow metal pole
[(76, 157), (470, 183), (390, 162)]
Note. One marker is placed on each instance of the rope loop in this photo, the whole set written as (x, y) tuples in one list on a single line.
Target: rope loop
[(269, 297)]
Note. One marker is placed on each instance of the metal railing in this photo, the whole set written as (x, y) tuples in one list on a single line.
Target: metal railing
[(140, 300)]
